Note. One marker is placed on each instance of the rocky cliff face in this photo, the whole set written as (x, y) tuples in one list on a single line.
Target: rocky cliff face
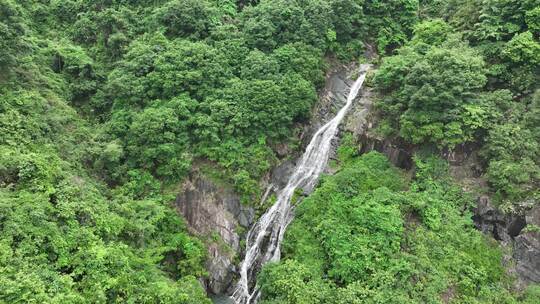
[(515, 232), (215, 213), (360, 123)]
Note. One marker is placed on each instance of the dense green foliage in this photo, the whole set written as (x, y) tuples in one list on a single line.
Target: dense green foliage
[(366, 235), (64, 237), (471, 78), (193, 79), (431, 88), (107, 105)]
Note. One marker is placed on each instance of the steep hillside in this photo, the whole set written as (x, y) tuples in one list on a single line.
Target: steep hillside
[(141, 140)]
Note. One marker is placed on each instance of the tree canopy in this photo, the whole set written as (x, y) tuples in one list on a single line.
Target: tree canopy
[(106, 107)]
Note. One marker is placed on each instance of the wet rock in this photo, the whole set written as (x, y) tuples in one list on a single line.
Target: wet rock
[(331, 98), (281, 173), (214, 213)]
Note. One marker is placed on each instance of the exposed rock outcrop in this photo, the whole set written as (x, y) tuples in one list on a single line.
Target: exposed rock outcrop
[(399, 153), (360, 123), (215, 213), (490, 221), (527, 255), (511, 230)]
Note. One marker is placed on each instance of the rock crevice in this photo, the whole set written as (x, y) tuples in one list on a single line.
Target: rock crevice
[(511, 230)]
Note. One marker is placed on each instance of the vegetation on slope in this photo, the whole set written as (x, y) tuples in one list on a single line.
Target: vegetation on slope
[(472, 76), (369, 235), (467, 74), (104, 105)]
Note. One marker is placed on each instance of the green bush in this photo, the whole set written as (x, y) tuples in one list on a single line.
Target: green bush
[(363, 238)]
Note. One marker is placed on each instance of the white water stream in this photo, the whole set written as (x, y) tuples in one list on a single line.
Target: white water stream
[(264, 238)]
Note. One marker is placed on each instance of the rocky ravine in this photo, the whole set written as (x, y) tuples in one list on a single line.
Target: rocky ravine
[(214, 212)]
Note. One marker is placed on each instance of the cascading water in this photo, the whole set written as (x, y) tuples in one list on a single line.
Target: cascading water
[(264, 238)]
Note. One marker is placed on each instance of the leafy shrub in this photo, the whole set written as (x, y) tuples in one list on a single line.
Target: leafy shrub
[(362, 239)]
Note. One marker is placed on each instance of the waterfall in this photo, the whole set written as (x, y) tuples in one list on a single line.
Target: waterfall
[(264, 238)]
